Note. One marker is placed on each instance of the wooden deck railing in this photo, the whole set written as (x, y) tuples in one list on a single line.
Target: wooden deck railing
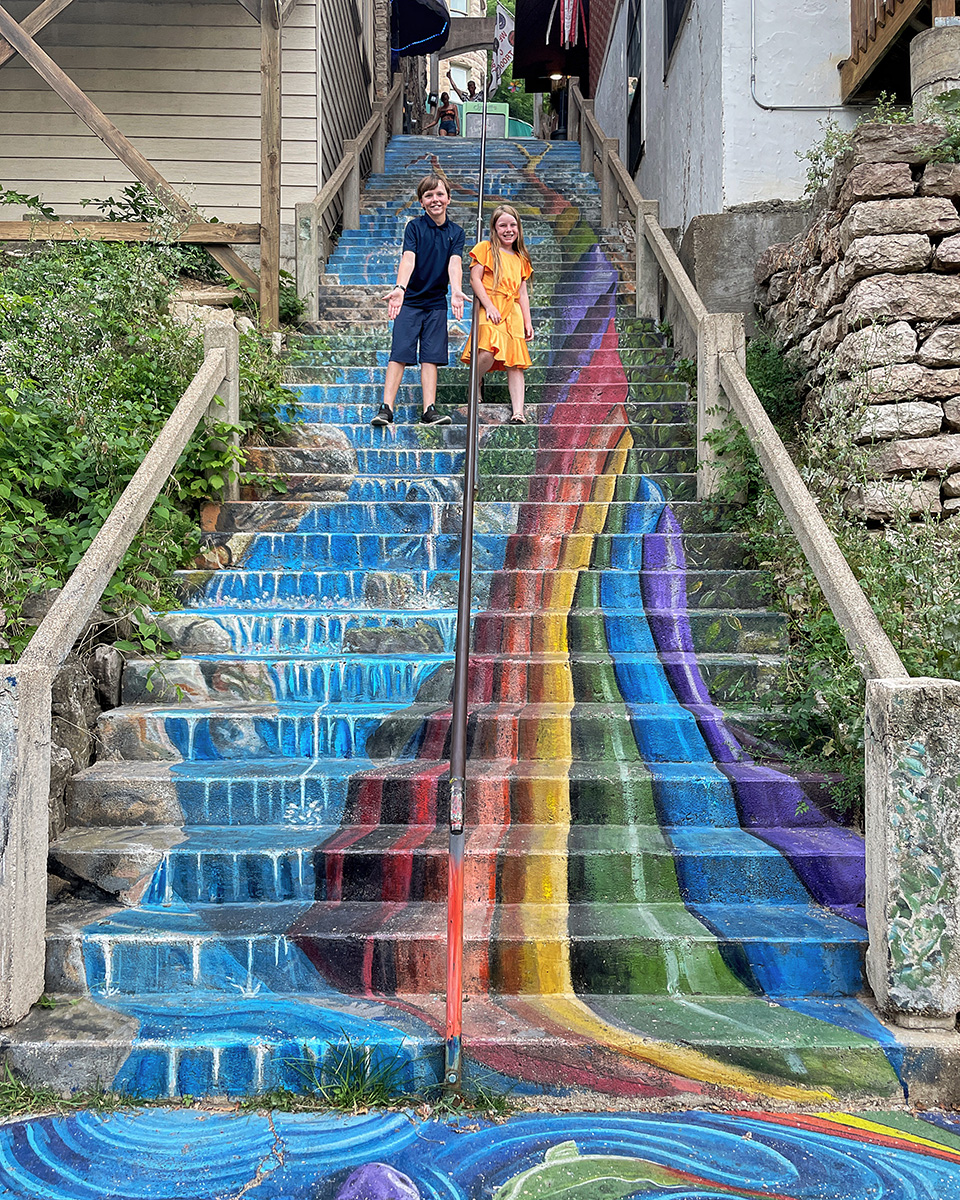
[(875, 25), (312, 249)]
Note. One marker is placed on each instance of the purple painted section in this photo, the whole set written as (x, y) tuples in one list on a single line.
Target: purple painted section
[(377, 1181), (771, 805)]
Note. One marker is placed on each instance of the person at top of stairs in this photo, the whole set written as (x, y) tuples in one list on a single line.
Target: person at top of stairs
[(498, 276), (430, 261)]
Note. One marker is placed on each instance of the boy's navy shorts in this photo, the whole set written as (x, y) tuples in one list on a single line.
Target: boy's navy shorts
[(428, 326)]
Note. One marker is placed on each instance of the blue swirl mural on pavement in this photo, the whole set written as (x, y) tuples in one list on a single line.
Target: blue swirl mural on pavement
[(157, 1155)]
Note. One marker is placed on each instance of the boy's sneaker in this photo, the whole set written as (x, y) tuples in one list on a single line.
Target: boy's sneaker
[(432, 417), (383, 415)]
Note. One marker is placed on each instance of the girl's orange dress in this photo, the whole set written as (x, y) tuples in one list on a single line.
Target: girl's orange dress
[(504, 341)]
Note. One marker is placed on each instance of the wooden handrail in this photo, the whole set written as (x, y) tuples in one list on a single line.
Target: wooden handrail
[(199, 233), (345, 178)]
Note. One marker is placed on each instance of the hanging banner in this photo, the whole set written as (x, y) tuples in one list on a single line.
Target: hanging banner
[(502, 47)]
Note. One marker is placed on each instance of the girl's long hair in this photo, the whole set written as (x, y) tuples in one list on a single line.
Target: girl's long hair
[(518, 245)]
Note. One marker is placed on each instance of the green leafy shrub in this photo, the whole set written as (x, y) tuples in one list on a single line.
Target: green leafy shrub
[(91, 367)]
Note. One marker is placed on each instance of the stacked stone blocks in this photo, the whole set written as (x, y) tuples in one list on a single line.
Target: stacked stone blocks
[(868, 297)]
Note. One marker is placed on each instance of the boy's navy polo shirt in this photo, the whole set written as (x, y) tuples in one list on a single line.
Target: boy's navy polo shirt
[(434, 245)]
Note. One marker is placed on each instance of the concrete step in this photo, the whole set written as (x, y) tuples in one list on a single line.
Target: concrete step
[(338, 631), (626, 949), (278, 863), (229, 730), (413, 516), (362, 678), (388, 488), (523, 549), (795, 1050), (313, 793), (432, 588)]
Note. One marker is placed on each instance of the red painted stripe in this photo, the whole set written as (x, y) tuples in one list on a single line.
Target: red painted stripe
[(851, 1133)]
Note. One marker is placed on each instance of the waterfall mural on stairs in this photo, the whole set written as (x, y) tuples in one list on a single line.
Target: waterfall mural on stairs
[(649, 911)]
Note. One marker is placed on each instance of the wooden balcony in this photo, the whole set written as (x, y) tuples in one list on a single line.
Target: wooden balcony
[(878, 27)]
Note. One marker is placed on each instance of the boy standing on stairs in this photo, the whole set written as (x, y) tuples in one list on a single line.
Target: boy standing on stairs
[(431, 260)]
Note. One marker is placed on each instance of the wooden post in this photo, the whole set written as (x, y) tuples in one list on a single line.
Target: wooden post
[(609, 187), (351, 189), (648, 269), (944, 9), (42, 15), (586, 138), (114, 140), (308, 259), (718, 334), (396, 112), (270, 146), (573, 114), (25, 721), (378, 163)]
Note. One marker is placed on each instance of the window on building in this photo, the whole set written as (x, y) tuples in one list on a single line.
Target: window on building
[(674, 12), (634, 90), (458, 8)]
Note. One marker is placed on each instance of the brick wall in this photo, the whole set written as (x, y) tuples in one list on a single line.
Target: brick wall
[(600, 19)]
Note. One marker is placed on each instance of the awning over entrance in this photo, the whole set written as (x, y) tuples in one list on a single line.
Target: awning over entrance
[(418, 27)]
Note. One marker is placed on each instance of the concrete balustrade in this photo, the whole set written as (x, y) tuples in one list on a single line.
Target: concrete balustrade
[(25, 718), (912, 765)]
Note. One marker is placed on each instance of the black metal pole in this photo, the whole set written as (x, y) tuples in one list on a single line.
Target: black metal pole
[(453, 1055)]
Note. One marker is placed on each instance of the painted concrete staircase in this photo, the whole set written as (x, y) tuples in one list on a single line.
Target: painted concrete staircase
[(262, 845)]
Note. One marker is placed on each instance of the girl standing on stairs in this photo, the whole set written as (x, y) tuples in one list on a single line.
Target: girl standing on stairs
[(499, 274)]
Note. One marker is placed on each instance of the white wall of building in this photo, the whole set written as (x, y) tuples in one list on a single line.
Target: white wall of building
[(798, 51), (181, 79), (708, 143), (683, 113)]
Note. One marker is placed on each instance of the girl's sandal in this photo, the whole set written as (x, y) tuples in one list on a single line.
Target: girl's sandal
[(516, 420)]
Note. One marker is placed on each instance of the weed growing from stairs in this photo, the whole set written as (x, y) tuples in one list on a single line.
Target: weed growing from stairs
[(19, 1099), (91, 366)]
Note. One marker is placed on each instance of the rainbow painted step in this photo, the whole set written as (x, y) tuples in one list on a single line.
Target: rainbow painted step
[(258, 858)]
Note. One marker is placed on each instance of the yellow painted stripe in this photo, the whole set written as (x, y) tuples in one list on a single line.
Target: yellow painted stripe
[(853, 1122), (548, 960), (571, 1013)]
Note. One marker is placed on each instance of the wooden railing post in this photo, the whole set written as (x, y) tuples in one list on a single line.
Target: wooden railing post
[(609, 188), (574, 121), (378, 161), (351, 189), (718, 333), (25, 723), (396, 114), (309, 266), (648, 269), (586, 138)]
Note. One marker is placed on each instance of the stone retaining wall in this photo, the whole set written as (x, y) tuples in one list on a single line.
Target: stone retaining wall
[(868, 297)]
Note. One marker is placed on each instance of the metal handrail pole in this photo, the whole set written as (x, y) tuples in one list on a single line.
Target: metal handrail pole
[(453, 1051)]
